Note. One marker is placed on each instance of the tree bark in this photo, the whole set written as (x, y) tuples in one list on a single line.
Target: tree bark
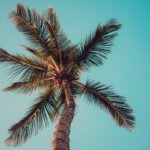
[(62, 129)]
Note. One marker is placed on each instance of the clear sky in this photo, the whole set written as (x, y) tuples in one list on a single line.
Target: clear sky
[(127, 69)]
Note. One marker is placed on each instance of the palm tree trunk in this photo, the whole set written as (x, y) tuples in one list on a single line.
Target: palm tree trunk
[(62, 129)]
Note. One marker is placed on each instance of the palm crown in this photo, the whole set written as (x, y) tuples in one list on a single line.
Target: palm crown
[(53, 60)]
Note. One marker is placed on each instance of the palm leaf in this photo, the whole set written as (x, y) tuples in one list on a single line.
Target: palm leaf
[(23, 60), (51, 17), (59, 38), (36, 118), (116, 105), (31, 85), (22, 65), (32, 25), (97, 45)]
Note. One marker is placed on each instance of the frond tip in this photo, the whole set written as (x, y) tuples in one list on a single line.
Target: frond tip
[(116, 105)]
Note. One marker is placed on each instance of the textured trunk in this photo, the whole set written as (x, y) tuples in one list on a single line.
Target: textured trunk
[(62, 129)]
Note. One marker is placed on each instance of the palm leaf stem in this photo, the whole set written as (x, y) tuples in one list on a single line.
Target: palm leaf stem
[(22, 62), (51, 78), (55, 39), (54, 63), (32, 51)]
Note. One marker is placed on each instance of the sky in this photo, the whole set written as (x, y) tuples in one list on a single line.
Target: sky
[(127, 69)]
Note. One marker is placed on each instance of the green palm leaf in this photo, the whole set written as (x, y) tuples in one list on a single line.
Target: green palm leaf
[(97, 45), (32, 25), (22, 65), (59, 37), (35, 82), (36, 118), (116, 105)]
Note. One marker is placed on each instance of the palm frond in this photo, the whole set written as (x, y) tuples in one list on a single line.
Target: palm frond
[(23, 60), (32, 25), (30, 62), (50, 16), (31, 85), (36, 118), (22, 65), (97, 45), (57, 34), (24, 73), (116, 105)]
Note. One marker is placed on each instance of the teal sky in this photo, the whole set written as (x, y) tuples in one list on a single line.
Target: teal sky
[(127, 69)]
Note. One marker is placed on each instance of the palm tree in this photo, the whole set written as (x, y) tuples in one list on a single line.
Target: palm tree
[(54, 69)]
